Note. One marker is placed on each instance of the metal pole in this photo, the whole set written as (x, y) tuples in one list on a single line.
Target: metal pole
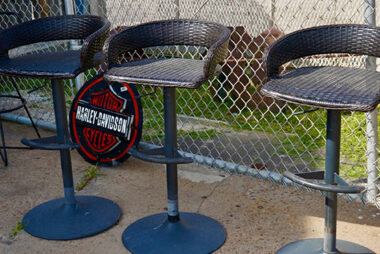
[(69, 10), (371, 117), (332, 166), (176, 2), (63, 137), (4, 153), (69, 7), (170, 118), (272, 13)]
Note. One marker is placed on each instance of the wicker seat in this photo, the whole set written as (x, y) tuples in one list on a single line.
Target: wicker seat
[(67, 64), (328, 87), (334, 89), (352, 89), (166, 232), (73, 216), (172, 72)]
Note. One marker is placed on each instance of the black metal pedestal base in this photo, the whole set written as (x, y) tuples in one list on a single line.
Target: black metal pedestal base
[(193, 233), (314, 246), (57, 221)]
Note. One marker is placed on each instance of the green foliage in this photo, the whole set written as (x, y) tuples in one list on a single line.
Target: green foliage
[(17, 229), (353, 145), (207, 134), (91, 172)]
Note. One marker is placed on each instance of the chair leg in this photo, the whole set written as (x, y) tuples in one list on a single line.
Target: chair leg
[(62, 137), (329, 244), (170, 151), (3, 153), (26, 109), (332, 167)]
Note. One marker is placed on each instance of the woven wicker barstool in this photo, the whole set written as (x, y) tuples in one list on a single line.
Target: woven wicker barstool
[(332, 88), (170, 232), (69, 217)]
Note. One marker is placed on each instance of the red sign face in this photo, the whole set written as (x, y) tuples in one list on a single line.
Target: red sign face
[(106, 120), (100, 141), (107, 100)]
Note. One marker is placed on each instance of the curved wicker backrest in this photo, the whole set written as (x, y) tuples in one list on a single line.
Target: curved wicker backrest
[(352, 39), (171, 32), (93, 29)]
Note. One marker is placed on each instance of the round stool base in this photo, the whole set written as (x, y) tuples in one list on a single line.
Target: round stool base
[(314, 246), (193, 233), (56, 221)]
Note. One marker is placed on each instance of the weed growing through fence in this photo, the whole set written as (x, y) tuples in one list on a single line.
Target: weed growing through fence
[(91, 173)]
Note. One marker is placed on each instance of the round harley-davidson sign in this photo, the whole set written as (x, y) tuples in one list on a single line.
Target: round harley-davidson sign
[(106, 120)]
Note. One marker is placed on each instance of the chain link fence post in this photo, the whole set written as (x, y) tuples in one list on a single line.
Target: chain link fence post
[(176, 2), (69, 7), (371, 117), (69, 10)]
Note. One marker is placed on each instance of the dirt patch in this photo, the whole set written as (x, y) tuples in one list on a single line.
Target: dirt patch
[(259, 217)]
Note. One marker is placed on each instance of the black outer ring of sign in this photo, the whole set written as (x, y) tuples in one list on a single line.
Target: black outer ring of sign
[(107, 158)]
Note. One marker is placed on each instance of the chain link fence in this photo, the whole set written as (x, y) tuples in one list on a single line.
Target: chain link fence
[(227, 123)]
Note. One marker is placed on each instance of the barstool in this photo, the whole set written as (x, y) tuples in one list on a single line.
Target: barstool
[(69, 217), (171, 232), (332, 88)]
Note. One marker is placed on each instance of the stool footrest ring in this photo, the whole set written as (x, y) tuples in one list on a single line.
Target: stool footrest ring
[(323, 187), (157, 156), (49, 143)]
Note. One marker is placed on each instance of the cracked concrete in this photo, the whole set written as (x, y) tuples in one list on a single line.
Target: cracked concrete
[(259, 217)]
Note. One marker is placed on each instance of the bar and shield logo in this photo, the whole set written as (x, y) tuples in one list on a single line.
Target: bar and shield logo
[(106, 120)]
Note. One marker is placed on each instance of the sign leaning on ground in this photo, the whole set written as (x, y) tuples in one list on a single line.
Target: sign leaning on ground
[(106, 120)]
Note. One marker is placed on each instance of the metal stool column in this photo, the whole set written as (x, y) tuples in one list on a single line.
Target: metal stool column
[(69, 217), (330, 245), (170, 152), (173, 232), (62, 138), (332, 167)]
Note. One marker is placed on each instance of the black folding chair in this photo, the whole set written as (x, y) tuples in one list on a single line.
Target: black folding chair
[(9, 18)]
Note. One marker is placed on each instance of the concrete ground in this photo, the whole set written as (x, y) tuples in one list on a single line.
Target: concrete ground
[(259, 217)]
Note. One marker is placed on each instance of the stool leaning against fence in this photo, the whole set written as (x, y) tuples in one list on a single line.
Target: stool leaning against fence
[(332, 88), (173, 232), (69, 217)]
